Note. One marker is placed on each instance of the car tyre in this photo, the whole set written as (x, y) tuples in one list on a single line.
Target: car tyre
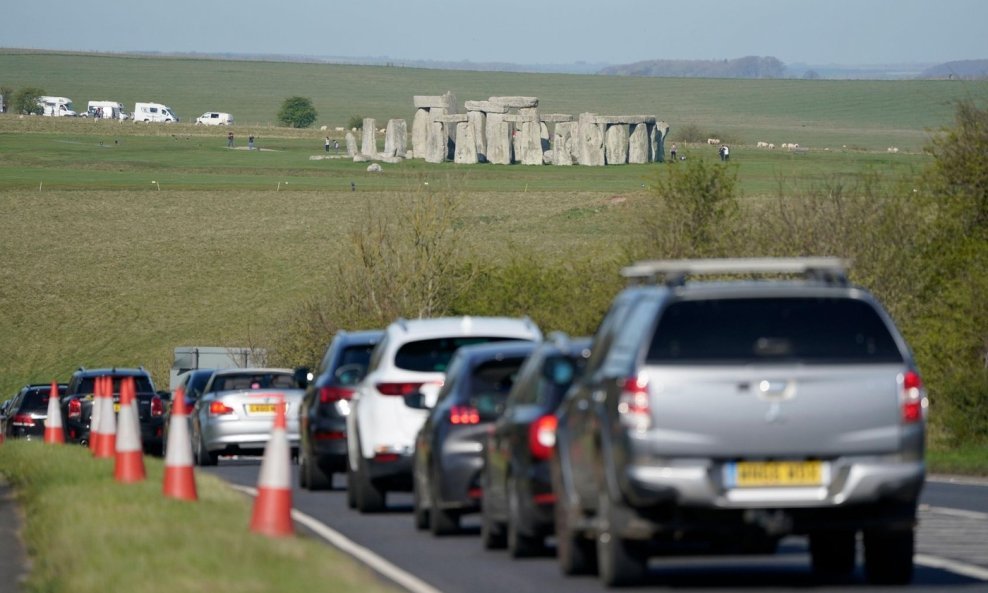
[(303, 473), (351, 487), (441, 521), (889, 556), (317, 478), (203, 457), (833, 553), (519, 544), (419, 512), (621, 562), (491, 530), (575, 553), (369, 498)]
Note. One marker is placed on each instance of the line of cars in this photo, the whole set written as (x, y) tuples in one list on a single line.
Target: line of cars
[(703, 416)]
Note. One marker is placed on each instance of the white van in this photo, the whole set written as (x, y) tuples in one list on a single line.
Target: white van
[(214, 118), (153, 112), (106, 110), (56, 106)]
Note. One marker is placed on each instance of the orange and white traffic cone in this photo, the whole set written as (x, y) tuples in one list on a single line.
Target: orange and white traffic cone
[(54, 431), (129, 466), (273, 506), (99, 386), (106, 448), (180, 480)]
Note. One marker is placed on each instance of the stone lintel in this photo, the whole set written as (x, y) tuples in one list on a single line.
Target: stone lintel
[(485, 106), (516, 102), (555, 118), (624, 119), (450, 118), (428, 101), (518, 118)]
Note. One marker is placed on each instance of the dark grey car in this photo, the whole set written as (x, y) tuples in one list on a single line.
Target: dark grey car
[(729, 414)]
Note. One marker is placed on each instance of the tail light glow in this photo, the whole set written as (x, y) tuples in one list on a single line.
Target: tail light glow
[(542, 437), (218, 408), (462, 415), (330, 394), (633, 404), (24, 420), (157, 407), (400, 389), (75, 409), (913, 397)]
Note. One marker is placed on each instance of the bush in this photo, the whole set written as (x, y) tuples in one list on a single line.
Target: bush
[(356, 122), (297, 112), (26, 101)]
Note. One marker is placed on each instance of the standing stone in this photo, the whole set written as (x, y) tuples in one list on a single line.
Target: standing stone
[(437, 143), (351, 144), (591, 141), (368, 144), (657, 138), (498, 139), (530, 143), (544, 135), (562, 140), (638, 145), (466, 144), (420, 132), (616, 144), (478, 120), (395, 138)]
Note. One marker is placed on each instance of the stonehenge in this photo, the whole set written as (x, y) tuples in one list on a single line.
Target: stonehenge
[(505, 130), (511, 129)]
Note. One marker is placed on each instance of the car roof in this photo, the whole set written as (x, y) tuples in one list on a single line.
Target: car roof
[(435, 327), (252, 370), (490, 350), (117, 371), (364, 336)]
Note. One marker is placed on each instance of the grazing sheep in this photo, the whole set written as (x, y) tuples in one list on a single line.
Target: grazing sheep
[(713, 140), (761, 145)]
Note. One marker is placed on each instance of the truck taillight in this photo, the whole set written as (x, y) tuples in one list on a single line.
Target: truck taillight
[(542, 437), (633, 405), (464, 415), (329, 394), (75, 409), (913, 397), (219, 409), (157, 407)]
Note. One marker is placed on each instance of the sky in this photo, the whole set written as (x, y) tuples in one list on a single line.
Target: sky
[(816, 32)]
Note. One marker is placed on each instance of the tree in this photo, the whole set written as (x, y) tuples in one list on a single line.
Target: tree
[(297, 112), (26, 101)]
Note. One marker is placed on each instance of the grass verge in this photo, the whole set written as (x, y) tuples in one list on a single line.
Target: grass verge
[(970, 460), (86, 532)]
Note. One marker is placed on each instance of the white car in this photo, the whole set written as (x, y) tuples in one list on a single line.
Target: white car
[(214, 118), (411, 357)]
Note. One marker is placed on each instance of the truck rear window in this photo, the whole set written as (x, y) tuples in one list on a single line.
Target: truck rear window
[(434, 355), (742, 331)]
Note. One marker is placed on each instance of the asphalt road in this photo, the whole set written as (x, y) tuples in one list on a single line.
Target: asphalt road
[(952, 549)]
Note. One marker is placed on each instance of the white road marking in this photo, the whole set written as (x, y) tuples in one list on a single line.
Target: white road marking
[(955, 512), (961, 568), (376, 563)]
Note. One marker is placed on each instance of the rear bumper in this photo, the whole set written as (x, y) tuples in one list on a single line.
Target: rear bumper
[(392, 472), (326, 442)]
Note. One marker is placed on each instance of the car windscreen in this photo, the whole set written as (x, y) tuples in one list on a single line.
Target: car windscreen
[(35, 400), (197, 383), (772, 330), (359, 355), (247, 381), (434, 355)]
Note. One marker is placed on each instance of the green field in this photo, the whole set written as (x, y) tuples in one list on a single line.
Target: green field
[(119, 241)]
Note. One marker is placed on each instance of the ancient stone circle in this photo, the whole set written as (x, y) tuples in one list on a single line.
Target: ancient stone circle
[(506, 130)]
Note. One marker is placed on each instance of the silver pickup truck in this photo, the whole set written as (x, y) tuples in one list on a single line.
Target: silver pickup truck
[(723, 415)]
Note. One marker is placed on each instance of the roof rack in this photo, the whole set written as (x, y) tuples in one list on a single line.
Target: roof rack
[(831, 270)]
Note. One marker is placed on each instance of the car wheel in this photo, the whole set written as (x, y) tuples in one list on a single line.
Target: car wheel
[(303, 472), (419, 512), (575, 553), (441, 521), (369, 498), (833, 553), (621, 562), (889, 556), (318, 478), (491, 530), (519, 544), (203, 456), (351, 487)]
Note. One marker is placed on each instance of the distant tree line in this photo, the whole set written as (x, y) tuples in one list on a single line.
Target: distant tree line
[(746, 67)]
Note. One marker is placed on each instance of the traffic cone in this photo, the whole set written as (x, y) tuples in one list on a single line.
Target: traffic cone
[(129, 466), (54, 432), (273, 506), (106, 448), (180, 480), (99, 386)]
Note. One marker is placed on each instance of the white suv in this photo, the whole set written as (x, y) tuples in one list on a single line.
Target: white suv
[(381, 428)]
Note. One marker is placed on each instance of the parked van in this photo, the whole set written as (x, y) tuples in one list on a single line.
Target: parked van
[(106, 110), (153, 112), (56, 106), (214, 118)]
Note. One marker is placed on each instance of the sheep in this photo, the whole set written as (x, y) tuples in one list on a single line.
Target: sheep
[(761, 145), (713, 140)]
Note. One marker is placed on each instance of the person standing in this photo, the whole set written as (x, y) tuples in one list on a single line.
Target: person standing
[(727, 153), (250, 142), (672, 152), (326, 144), (229, 139)]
